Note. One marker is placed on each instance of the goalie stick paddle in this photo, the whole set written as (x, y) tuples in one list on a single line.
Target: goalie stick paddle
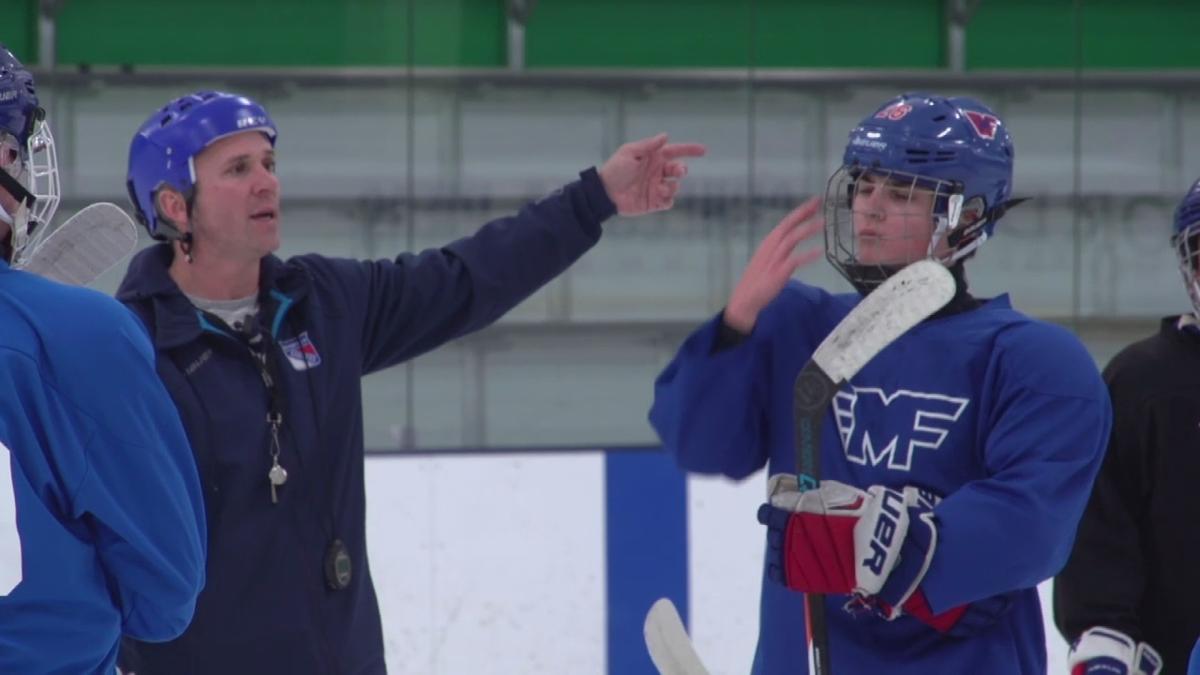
[(85, 246), (667, 641), (899, 303)]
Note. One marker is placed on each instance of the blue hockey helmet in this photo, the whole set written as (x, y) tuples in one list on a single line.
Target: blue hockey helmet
[(19, 109), (1185, 237), (163, 151), (955, 148), (28, 161)]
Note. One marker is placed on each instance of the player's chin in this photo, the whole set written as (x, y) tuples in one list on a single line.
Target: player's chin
[(874, 256), (886, 256), (268, 240)]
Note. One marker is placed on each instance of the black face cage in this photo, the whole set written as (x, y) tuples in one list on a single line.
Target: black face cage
[(921, 212)]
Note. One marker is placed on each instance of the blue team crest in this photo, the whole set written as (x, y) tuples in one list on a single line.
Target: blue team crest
[(301, 352), (888, 428)]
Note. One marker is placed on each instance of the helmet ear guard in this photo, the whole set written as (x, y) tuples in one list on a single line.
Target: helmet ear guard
[(973, 222), (137, 213), (164, 228), (962, 222)]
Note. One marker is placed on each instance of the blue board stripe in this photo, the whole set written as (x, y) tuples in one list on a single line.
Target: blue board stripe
[(646, 549)]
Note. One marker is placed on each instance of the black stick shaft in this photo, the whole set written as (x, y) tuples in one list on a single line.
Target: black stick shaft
[(811, 396)]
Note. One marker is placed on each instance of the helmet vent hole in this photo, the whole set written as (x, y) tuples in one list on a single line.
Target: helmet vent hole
[(916, 156)]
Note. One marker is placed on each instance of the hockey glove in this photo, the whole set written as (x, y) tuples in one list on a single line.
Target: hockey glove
[(1106, 651), (874, 544)]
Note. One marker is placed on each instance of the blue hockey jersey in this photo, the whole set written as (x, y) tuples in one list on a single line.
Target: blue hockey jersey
[(1004, 416), (101, 516)]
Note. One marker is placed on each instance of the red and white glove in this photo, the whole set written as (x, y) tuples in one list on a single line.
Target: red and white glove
[(1107, 651), (875, 544)]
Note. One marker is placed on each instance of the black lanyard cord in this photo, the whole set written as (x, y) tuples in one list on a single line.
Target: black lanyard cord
[(263, 354)]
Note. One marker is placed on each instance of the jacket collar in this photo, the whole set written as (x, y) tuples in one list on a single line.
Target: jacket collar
[(171, 318)]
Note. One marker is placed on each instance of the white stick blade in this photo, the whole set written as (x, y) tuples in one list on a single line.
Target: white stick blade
[(87, 245), (667, 640), (904, 300)]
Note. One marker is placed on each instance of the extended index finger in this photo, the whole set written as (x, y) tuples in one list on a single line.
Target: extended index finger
[(649, 144), (673, 150)]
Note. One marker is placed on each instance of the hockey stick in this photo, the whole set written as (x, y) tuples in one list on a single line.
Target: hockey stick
[(898, 304), (667, 641), (85, 246)]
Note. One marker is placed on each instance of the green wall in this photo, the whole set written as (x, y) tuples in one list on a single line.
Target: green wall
[(469, 33), (1115, 34), (18, 27), (727, 33), (613, 33)]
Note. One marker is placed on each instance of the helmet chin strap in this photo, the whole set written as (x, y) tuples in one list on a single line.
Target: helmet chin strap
[(15, 187), (19, 221)]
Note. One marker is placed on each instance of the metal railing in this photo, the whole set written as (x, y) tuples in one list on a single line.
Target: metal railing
[(617, 78)]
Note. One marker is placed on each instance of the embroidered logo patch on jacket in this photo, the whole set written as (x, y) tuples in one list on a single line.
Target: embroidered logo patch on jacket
[(301, 352)]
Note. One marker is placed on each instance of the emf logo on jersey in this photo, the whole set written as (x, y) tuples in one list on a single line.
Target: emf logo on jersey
[(900, 421), (301, 352)]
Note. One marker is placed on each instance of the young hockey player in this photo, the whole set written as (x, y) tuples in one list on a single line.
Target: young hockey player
[(101, 517), (1119, 599), (956, 464)]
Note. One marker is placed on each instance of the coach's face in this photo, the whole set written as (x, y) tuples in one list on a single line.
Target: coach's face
[(235, 213)]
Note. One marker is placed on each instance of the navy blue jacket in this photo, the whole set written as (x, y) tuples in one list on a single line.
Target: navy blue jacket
[(266, 607)]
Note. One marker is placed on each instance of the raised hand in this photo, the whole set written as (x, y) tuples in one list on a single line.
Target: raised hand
[(643, 176), (773, 263)]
